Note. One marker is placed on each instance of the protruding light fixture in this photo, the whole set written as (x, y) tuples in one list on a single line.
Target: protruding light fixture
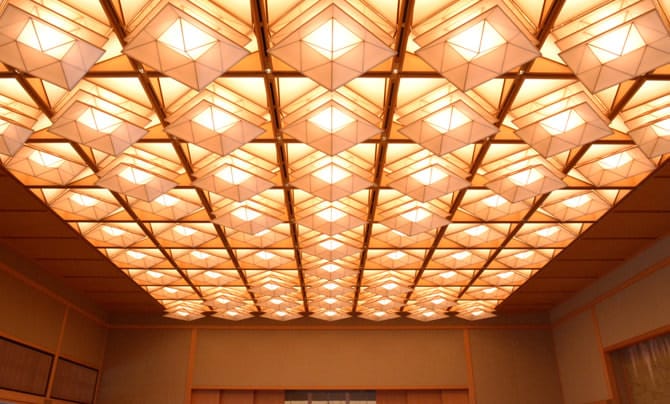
[(329, 249), (562, 126), (428, 183), (186, 49), (213, 128), (98, 129), (331, 180), (474, 45), (525, 183), (616, 167), (618, 44), (449, 129), (330, 220), (233, 181), (331, 128), (44, 165), (413, 219), (84, 205), (574, 206), (245, 218), (136, 182), (330, 46), (12, 137), (47, 51)]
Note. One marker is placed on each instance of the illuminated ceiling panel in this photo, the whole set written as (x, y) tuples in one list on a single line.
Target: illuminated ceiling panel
[(358, 165)]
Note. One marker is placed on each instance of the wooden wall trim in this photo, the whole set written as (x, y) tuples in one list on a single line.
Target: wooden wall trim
[(601, 351), (639, 338), (191, 364), (471, 370), (57, 354), (331, 388), (372, 327)]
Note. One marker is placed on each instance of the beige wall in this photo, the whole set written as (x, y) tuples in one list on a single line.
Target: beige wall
[(515, 365), (622, 307)]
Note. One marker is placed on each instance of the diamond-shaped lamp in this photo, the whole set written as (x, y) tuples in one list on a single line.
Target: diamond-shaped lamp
[(525, 183), (331, 181), (449, 128), (214, 129), (12, 137), (331, 48), (136, 182), (331, 128), (619, 44), (429, 183), (97, 129), (44, 50), (562, 126), (182, 47), (469, 50)]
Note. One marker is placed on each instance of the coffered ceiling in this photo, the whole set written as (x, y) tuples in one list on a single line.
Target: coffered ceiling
[(331, 159)]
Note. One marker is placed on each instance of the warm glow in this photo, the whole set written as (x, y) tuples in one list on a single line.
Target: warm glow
[(265, 255), (136, 176), (46, 159), (524, 255), (331, 214), (448, 119), (222, 300), (330, 244), (617, 43), (561, 123), (438, 300), (476, 41), (416, 215), (461, 255), (84, 200), (331, 174), (213, 275), (396, 255), (526, 177), (113, 231), (662, 128), (380, 314), (505, 275), (332, 39), (184, 231), (154, 274), (200, 255), (494, 201), (548, 231), (390, 286), (385, 302), (477, 313), (430, 175), (215, 119), (577, 201), (232, 313), (330, 268), (331, 120), (246, 214), (489, 291), (271, 286), (276, 300), (281, 313), (99, 121), (428, 314), (330, 286), (477, 230), (330, 300), (615, 161), (183, 313), (170, 290), (330, 313), (232, 175), (166, 200), (448, 274), (45, 39), (262, 233), (186, 39), (136, 254)]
